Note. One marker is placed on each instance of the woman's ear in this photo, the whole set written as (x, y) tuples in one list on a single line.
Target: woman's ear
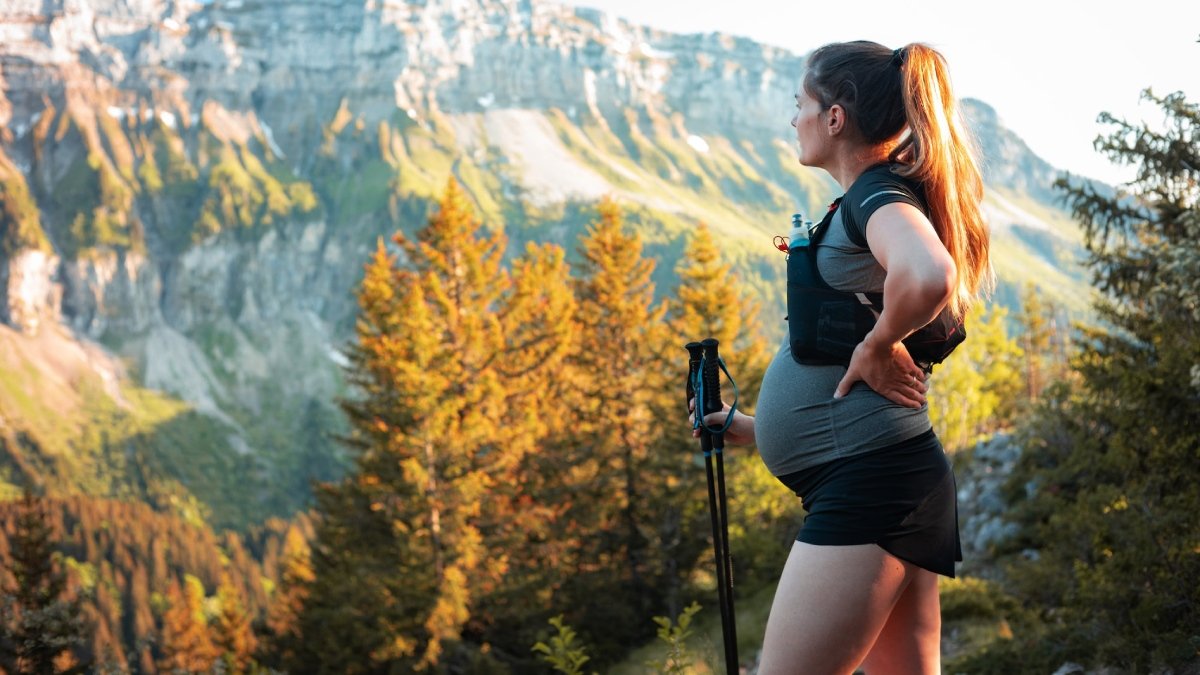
[(835, 119)]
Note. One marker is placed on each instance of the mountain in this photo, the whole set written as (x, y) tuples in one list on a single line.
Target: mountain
[(190, 191)]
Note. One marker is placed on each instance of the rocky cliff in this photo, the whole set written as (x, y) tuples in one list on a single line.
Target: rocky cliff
[(195, 186)]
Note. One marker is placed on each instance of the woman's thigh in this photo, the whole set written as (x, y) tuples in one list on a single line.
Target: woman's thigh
[(910, 642), (831, 604)]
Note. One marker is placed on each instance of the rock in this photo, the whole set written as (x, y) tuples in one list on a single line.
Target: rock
[(28, 294), (982, 508)]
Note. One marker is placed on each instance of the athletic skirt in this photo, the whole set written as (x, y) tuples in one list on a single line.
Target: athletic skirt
[(902, 497)]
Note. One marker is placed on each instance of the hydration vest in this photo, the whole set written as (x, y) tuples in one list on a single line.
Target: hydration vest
[(825, 324)]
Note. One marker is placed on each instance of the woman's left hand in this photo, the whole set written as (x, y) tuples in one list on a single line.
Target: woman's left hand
[(887, 369)]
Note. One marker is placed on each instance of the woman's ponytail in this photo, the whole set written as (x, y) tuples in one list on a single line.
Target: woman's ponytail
[(940, 153), (902, 99)]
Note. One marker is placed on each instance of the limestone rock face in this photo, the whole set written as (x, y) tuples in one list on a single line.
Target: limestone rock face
[(115, 292), (222, 321), (286, 60), (29, 295), (279, 70)]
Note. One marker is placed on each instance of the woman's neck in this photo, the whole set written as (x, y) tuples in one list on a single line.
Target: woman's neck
[(847, 167)]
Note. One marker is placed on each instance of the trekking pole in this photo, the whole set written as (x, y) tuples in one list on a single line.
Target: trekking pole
[(711, 378), (698, 384)]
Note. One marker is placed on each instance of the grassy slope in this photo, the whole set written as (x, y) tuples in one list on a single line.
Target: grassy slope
[(744, 190), (72, 424), (746, 193)]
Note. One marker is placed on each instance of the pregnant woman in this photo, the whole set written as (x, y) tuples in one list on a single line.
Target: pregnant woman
[(853, 439)]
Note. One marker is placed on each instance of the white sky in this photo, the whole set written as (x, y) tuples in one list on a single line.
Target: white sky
[(1048, 67)]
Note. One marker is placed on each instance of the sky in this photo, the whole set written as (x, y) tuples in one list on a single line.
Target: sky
[(1048, 68)]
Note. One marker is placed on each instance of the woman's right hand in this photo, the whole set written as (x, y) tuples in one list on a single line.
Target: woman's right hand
[(740, 431)]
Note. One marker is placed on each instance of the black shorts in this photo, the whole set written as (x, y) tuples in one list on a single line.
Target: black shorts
[(902, 497)]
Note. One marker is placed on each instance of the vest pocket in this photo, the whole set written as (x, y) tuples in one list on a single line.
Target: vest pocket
[(824, 324)]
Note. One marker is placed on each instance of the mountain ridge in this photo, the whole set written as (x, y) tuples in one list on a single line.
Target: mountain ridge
[(194, 186)]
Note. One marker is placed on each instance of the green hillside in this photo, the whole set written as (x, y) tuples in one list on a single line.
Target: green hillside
[(143, 185)]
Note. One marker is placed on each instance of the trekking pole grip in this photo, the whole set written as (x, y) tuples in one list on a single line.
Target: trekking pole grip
[(711, 378), (695, 355)]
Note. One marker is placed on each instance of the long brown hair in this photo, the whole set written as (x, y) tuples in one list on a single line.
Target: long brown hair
[(907, 91)]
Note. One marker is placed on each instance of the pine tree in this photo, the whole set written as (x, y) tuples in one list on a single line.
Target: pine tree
[(1107, 486), (1045, 342), (185, 642), (708, 303), (975, 391), (283, 615), (233, 638), (39, 625), (618, 468), (419, 534), (138, 598), (539, 318)]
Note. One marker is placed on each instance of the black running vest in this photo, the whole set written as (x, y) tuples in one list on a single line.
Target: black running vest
[(825, 324)]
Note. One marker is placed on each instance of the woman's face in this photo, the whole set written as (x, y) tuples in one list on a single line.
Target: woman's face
[(811, 136)]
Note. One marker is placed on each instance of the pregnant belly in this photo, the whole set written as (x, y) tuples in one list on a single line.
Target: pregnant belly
[(793, 413), (799, 424)]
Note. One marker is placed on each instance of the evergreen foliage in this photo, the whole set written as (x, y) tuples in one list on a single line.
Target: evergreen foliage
[(421, 532), (119, 560), (710, 302), (185, 643), (509, 454), (233, 637), (629, 486), (974, 392), (519, 438), (40, 626), (282, 629), (1045, 343), (1106, 490)]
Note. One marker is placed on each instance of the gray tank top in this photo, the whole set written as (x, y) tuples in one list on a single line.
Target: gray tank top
[(798, 423)]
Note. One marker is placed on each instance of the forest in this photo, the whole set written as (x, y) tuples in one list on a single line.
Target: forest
[(525, 494)]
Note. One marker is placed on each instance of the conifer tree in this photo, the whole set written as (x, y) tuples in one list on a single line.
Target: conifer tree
[(283, 614), (539, 316), (233, 637), (138, 597), (185, 642), (708, 303), (414, 540), (39, 625), (974, 391), (1107, 485), (1044, 341), (618, 380)]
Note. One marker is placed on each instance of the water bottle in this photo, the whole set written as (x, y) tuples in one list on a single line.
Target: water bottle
[(799, 236)]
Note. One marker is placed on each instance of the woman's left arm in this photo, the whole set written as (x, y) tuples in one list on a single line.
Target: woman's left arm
[(920, 281)]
